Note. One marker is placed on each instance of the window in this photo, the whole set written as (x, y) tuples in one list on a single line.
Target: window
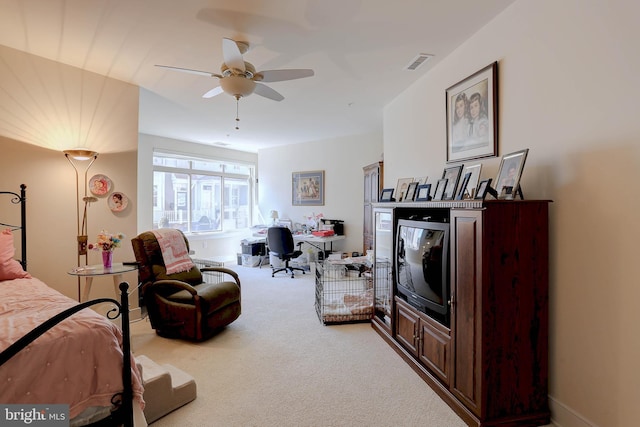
[(201, 195)]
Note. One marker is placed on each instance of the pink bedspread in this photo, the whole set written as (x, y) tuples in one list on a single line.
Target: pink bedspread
[(78, 362)]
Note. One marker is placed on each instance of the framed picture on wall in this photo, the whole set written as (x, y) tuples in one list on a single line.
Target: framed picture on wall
[(307, 188), (472, 116)]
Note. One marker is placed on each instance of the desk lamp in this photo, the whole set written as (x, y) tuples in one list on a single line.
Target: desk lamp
[(274, 217)]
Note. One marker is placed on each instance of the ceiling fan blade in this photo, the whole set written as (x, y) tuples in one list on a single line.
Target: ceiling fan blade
[(213, 92), (267, 92), (188, 70), (281, 75), (232, 55)]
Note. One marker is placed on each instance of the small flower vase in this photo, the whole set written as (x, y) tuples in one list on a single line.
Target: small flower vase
[(107, 258)]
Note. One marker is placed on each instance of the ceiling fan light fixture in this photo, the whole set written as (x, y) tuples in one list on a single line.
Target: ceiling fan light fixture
[(237, 86)]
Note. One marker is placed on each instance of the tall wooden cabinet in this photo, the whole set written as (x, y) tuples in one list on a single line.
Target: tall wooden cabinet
[(373, 179), (491, 364)]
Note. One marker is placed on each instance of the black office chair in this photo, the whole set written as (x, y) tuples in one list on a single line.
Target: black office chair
[(280, 244)]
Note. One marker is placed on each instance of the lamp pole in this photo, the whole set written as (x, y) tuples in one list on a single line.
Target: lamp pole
[(75, 157)]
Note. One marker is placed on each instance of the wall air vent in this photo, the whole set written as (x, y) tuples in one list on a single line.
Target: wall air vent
[(418, 61)]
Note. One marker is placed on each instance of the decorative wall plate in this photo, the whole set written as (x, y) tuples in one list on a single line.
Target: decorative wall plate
[(99, 185), (117, 202)]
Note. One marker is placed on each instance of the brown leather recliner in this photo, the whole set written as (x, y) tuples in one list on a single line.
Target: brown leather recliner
[(182, 305)]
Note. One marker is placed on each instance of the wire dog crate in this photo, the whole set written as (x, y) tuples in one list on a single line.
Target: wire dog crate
[(344, 291), (209, 276)]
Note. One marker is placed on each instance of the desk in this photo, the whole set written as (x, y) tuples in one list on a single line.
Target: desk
[(316, 241), (91, 271)]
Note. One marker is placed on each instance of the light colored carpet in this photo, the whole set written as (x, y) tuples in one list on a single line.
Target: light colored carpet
[(277, 365)]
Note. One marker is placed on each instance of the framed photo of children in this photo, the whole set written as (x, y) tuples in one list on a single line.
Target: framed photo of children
[(307, 188), (472, 116)]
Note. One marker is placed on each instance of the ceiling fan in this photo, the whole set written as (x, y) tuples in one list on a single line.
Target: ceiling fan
[(239, 78)]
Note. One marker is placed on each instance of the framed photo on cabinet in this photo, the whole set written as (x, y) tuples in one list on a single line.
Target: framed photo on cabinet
[(386, 195), (452, 174), (423, 193), (509, 173), (401, 188), (472, 116), (421, 180), (463, 186), (411, 192), (484, 188), (472, 185), (440, 187)]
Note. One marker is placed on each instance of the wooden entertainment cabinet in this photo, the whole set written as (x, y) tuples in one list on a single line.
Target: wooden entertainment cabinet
[(490, 365)]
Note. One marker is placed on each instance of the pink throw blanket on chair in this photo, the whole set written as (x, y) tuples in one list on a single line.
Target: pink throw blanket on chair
[(174, 250)]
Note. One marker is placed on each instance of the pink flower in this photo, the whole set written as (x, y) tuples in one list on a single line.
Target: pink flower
[(106, 241)]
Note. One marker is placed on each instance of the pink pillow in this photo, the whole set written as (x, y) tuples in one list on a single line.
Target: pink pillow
[(9, 268), (6, 245)]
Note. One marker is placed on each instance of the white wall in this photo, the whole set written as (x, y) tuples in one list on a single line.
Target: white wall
[(342, 160), (567, 74)]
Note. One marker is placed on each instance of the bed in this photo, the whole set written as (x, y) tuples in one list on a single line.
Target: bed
[(55, 350)]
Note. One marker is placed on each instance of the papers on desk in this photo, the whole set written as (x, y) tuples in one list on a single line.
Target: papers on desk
[(323, 233)]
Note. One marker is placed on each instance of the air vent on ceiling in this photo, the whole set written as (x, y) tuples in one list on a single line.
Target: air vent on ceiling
[(221, 144), (418, 61)]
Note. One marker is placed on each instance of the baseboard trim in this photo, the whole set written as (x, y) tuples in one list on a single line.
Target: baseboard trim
[(564, 416)]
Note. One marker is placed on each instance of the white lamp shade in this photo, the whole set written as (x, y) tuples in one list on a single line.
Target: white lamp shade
[(80, 153)]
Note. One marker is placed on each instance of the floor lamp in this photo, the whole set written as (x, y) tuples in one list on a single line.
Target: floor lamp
[(81, 157)]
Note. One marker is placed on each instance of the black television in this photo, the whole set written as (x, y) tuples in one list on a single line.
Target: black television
[(422, 266)]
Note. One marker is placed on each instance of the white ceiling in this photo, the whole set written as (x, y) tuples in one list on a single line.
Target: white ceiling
[(357, 48)]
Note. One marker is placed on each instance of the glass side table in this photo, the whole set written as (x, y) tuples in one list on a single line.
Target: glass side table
[(98, 270)]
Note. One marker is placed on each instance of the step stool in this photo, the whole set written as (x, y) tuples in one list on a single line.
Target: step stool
[(166, 388)]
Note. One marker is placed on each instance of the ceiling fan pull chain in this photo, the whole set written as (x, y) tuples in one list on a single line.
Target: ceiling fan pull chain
[(237, 114)]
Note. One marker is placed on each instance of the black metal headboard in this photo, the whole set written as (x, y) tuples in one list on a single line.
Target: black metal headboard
[(21, 199)]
